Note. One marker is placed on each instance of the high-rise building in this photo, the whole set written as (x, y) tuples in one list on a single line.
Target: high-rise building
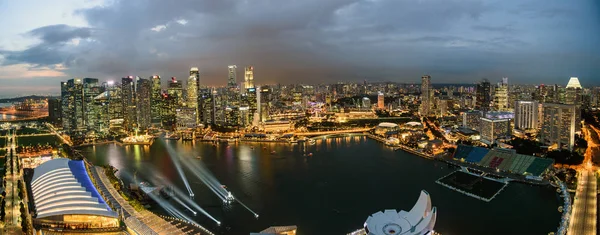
[(175, 91), (501, 96), (93, 109), (252, 103), (380, 101), (156, 100), (472, 119), (55, 111), (128, 100), (185, 118), (573, 92), (115, 103), (265, 102), (493, 128), (144, 96), (72, 105), (207, 106), (526, 115), (366, 103), (249, 77), (192, 90), (483, 95), (232, 76), (426, 96), (560, 125)]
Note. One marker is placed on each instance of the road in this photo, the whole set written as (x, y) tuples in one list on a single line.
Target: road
[(583, 216), (13, 214), (317, 133)]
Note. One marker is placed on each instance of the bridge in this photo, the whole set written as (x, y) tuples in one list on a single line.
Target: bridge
[(584, 213), (328, 133)]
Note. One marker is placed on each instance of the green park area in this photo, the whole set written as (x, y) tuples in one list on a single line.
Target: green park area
[(34, 140)]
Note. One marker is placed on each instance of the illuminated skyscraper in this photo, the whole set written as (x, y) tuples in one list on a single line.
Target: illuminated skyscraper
[(232, 76), (128, 100), (573, 92), (483, 95), (192, 89), (175, 91), (249, 77), (380, 101), (526, 115), (207, 106), (72, 104), (559, 125), (144, 93), (501, 96), (156, 100), (426, 96)]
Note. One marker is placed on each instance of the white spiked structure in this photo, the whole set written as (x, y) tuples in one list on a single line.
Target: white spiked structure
[(419, 220), (574, 83)]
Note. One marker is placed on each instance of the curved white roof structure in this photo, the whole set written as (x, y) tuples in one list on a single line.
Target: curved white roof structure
[(387, 125), (418, 221), (63, 187), (573, 83)]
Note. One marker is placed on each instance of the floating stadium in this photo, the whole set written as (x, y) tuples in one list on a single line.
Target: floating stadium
[(507, 160)]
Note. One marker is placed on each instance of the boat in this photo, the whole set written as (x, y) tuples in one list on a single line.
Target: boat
[(310, 154), (172, 136), (311, 141), (198, 157), (273, 152)]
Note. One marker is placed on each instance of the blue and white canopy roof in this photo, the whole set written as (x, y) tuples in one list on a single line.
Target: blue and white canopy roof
[(63, 187), (418, 221)]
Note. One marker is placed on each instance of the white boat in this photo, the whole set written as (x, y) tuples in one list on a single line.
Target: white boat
[(311, 141)]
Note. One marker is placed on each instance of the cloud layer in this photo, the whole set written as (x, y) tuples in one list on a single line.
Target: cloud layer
[(326, 41)]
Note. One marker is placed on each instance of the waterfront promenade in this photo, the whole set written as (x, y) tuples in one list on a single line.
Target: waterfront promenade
[(584, 215), (143, 222)]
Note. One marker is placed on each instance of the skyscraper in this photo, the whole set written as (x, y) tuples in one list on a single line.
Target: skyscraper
[(72, 105), (501, 95), (526, 115), (144, 94), (232, 76), (207, 106), (426, 96), (156, 100), (93, 111), (249, 77), (380, 101), (128, 100), (55, 111), (573, 92), (175, 91), (483, 95), (560, 125), (192, 89)]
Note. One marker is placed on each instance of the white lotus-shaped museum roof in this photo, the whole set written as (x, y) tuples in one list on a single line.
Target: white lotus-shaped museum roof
[(418, 221)]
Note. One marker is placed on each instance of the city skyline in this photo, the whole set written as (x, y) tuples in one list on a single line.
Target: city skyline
[(464, 41)]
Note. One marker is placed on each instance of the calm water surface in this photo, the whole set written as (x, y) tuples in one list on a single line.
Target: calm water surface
[(332, 192)]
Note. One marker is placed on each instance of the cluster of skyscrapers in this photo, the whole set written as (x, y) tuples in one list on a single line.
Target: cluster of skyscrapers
[(138, 104)]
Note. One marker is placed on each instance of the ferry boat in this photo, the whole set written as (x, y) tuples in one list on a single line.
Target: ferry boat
[(138, 140)]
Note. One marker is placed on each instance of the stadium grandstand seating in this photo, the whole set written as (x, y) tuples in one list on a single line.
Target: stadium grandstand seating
[(503, 159)]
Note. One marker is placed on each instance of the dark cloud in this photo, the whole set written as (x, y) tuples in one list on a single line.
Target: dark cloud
[(59, 33), (316, 40)]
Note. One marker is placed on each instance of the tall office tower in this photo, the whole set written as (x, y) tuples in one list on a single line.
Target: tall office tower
[(144, 96), (192, 90), (573, 92), (526, 115), (93, 110), (55, 111), (560, 125), (426, 96), (249, 77), (265, 102), (472, 119), (380, 101), (207, 106), (483, 95), (232, 76), (175, 91), (441, 107), (128, 100), (253, 103), (72, 105), (156, 99), (501, 95), (115, 103)]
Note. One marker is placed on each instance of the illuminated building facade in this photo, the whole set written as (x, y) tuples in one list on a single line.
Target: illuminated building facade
[(192, 89), (471, 119), (560, 125), (175, 91), (494, 128), (144, 96), (156, 100), (249, 77), (483, 95), (72, 105), (128, 101), (501, 96), (185, 118), (380, 101), (207, 106), (426, 96), (526, 115)]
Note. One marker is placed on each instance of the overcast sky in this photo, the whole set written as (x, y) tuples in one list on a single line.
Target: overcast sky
[(298, 41)]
